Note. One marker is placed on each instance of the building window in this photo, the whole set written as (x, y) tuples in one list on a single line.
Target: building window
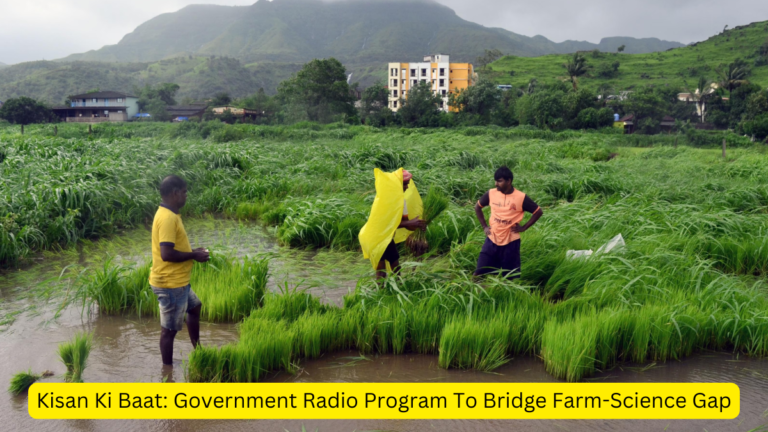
[(394, 83), (442, 82), (433, 71), (442, 71), (423, 72), (120, 112), (394, 104), (443, 92), (415, 82), (402, 73), (394, 93), (413, 72), (403, 82), (119, 99), (95, 100)]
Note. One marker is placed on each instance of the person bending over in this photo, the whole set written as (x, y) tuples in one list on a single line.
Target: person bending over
[(390, 253)]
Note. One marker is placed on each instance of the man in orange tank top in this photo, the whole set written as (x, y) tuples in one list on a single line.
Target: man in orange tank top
[(501, 251)]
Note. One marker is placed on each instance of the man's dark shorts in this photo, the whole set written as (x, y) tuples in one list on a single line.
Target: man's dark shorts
[(391, 254), (492, 258), (174, 304)]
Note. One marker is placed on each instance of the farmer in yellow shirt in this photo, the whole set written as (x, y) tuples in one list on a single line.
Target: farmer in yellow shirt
[(171, 271)]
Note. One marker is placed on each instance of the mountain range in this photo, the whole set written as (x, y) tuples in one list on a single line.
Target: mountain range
[(353, 31), (237, 49)]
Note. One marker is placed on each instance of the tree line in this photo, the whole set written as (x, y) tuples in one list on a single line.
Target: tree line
[(320, 92)]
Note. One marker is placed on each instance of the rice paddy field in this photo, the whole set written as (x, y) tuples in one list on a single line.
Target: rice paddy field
[(690, 279)]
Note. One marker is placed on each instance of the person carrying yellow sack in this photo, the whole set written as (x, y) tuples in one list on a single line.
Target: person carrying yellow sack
[(396, 211)]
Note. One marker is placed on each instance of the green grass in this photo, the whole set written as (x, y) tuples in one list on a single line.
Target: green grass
[(229, 288), (691, 277), (673, 67), (74, 354), (21, 382)]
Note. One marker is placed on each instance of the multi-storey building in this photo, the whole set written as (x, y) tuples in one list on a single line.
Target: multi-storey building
[(102, 106), (437, 70)]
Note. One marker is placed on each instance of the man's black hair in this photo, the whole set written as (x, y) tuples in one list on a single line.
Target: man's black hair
[(503, 173), (171, 184)]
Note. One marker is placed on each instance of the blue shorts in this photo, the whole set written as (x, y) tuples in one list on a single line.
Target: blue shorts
[(494, 258), (174, 304)]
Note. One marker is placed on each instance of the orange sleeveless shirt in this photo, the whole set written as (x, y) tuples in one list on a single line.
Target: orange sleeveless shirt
[(506, 210)]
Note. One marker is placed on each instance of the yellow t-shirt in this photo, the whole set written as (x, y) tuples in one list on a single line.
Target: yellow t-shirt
[(168, 228)]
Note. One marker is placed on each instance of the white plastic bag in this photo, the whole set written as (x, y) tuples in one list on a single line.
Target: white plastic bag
[(616, 243)]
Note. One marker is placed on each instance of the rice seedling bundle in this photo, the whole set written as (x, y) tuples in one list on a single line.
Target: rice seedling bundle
[(434, 204), (74, 354), (21, 381)]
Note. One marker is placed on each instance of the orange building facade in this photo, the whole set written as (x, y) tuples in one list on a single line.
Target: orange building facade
[(437, 70)]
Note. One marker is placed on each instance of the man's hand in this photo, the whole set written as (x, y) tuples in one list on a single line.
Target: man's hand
[(201, 255), (487, 231), (415, 224), (516, 228)]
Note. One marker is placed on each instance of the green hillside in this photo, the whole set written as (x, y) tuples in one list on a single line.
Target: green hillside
[(198, 77), (358, 32), (673, 67)]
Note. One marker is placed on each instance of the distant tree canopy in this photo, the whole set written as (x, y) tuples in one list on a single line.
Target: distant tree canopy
[(319, 92), (24, 111), (488, 57), (480, 99), (373, 106), (422, 108), (221, 99), (153, 100)]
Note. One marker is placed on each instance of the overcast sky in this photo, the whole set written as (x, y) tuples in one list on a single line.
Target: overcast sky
[(50, 29)]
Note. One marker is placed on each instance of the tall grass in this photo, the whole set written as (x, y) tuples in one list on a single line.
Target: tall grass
[(228, 287), (74, 354)]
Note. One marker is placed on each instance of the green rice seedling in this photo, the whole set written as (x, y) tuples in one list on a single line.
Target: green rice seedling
[(21, 381), (434, 204), (569, 348), (288, 305), (468, 343), (265, 346), (74, 355), (230, 288)]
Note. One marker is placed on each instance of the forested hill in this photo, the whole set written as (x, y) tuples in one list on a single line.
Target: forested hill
[(355, 32), (674, 67), (198, 77)]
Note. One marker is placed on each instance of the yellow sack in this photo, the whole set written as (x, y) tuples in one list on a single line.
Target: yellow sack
[(415, 208), (386, 214)]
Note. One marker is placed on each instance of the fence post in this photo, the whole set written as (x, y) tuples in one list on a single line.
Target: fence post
[(22, 128), (723, 148), (89, 130), (55, 131)]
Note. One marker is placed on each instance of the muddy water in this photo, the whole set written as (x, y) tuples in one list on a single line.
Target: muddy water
[(125, 348)]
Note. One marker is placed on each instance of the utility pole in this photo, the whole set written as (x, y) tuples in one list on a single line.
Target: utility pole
[(723, 148)]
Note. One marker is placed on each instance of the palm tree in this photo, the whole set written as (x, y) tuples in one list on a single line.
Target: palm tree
[(700, 94), (576, 67), (732, 77)]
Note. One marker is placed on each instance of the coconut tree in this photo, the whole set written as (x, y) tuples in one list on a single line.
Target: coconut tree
[(576, 67), (700, 94), (732, 76)]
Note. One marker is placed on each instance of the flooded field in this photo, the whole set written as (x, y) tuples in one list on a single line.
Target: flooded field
[(125, 347)]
